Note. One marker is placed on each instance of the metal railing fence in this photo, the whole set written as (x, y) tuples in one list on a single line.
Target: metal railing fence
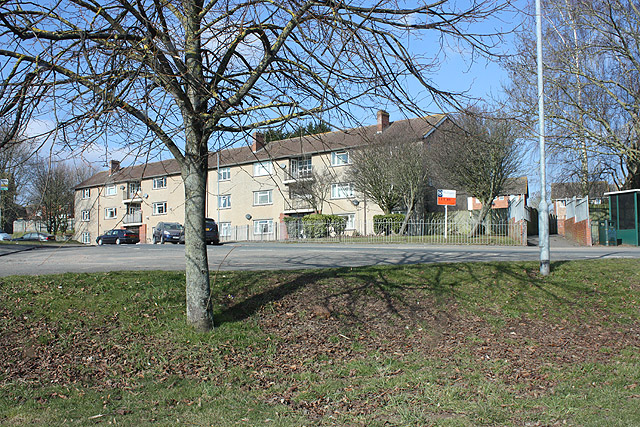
[(434, 232)]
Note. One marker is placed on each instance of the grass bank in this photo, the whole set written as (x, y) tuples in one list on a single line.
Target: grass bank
[(419, 345)]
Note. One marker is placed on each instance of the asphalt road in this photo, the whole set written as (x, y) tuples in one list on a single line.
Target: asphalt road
[(19, 260)]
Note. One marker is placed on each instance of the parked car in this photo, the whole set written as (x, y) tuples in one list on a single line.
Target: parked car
[(4, 236), (210, 232), (118, 236), (35, 237), (167, 232)]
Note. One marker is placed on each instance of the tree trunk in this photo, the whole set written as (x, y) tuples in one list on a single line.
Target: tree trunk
[(475, 230), (403, 229), (198, 292)]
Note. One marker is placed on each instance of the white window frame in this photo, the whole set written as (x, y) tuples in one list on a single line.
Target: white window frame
[(262, 168), (85, 215), (338, 160), (257, 229), (110, 213), (224, 201), (257, 195), (351, 220), (342, 190), (110, 190), (159, 182), (85, 238), (86, 193), (224, 174), (159, 208), (224, 229)]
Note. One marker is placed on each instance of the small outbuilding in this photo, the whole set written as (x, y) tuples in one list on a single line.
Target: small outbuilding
[(624, 215)]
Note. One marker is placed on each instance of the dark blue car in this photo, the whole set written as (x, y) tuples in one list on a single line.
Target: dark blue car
[(118, 236)]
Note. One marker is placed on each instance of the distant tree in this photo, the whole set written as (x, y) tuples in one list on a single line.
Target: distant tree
[(312, 128), (477, 155), (392, 172), (314, 190), (15, 165), (52, 194), (591, 79)]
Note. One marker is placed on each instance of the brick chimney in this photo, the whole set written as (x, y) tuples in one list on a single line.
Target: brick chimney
[(258, 141), (383, 120), (115, 167)]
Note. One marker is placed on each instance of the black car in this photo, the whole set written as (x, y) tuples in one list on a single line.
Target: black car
[(118, 236), (167, 232), (210, 232), (36, 237)]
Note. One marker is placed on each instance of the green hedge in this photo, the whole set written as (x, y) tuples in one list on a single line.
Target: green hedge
[(319, 225), (388, 224)]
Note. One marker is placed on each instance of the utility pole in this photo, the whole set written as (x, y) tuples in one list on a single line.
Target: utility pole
[(543, 211)]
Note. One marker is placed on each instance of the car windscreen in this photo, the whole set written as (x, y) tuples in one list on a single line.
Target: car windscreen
[(173, 227)]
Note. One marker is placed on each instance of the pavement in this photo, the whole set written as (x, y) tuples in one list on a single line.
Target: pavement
[(555, 241)]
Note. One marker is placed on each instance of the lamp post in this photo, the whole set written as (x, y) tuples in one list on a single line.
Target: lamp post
[(543, 211)]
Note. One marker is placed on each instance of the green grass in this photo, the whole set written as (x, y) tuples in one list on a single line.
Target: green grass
[(445, 345)]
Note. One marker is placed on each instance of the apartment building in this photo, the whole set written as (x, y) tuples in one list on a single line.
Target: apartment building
[(249, 188)]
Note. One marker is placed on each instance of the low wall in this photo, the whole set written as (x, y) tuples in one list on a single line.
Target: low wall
[(579, 232)]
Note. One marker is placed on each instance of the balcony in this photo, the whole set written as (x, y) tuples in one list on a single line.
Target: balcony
[(300, 173), (133, 219), (131, 192), (297, 205)]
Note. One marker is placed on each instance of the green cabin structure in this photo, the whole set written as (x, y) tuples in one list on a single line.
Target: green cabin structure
[(624, 215)]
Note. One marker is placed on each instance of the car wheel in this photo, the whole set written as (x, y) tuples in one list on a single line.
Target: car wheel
[(118, 241), (100, 242)]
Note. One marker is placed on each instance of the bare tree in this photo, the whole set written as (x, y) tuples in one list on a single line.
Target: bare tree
[(592, 72), (373, 176), (52, 194), (477, 155), (15, 165), (187, 74), (313, 190), (392, 170)]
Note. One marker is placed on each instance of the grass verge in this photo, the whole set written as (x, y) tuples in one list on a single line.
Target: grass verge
[(447, 345)]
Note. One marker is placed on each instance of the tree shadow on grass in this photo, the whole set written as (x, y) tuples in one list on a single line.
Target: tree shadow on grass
[(395, 291)]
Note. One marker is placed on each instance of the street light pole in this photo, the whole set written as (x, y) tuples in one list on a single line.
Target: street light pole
[(543, 211)]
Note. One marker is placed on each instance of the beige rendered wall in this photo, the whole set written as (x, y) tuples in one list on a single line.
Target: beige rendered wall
[(241, 187)]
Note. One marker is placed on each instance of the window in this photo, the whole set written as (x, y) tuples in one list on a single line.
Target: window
[(86, 193), (301, 168), (86, 238), (340, 158), (263, 226), (109, 213), (262, 168), (351, 220), (225, 229), (160, 182), (160, 208), (110, 190), (224, 174), (86, 216), (341, 191), (224, 201), (263, 197)]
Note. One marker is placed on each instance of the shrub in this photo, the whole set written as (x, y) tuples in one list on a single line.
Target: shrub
[(387, 224), (319, 225)]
